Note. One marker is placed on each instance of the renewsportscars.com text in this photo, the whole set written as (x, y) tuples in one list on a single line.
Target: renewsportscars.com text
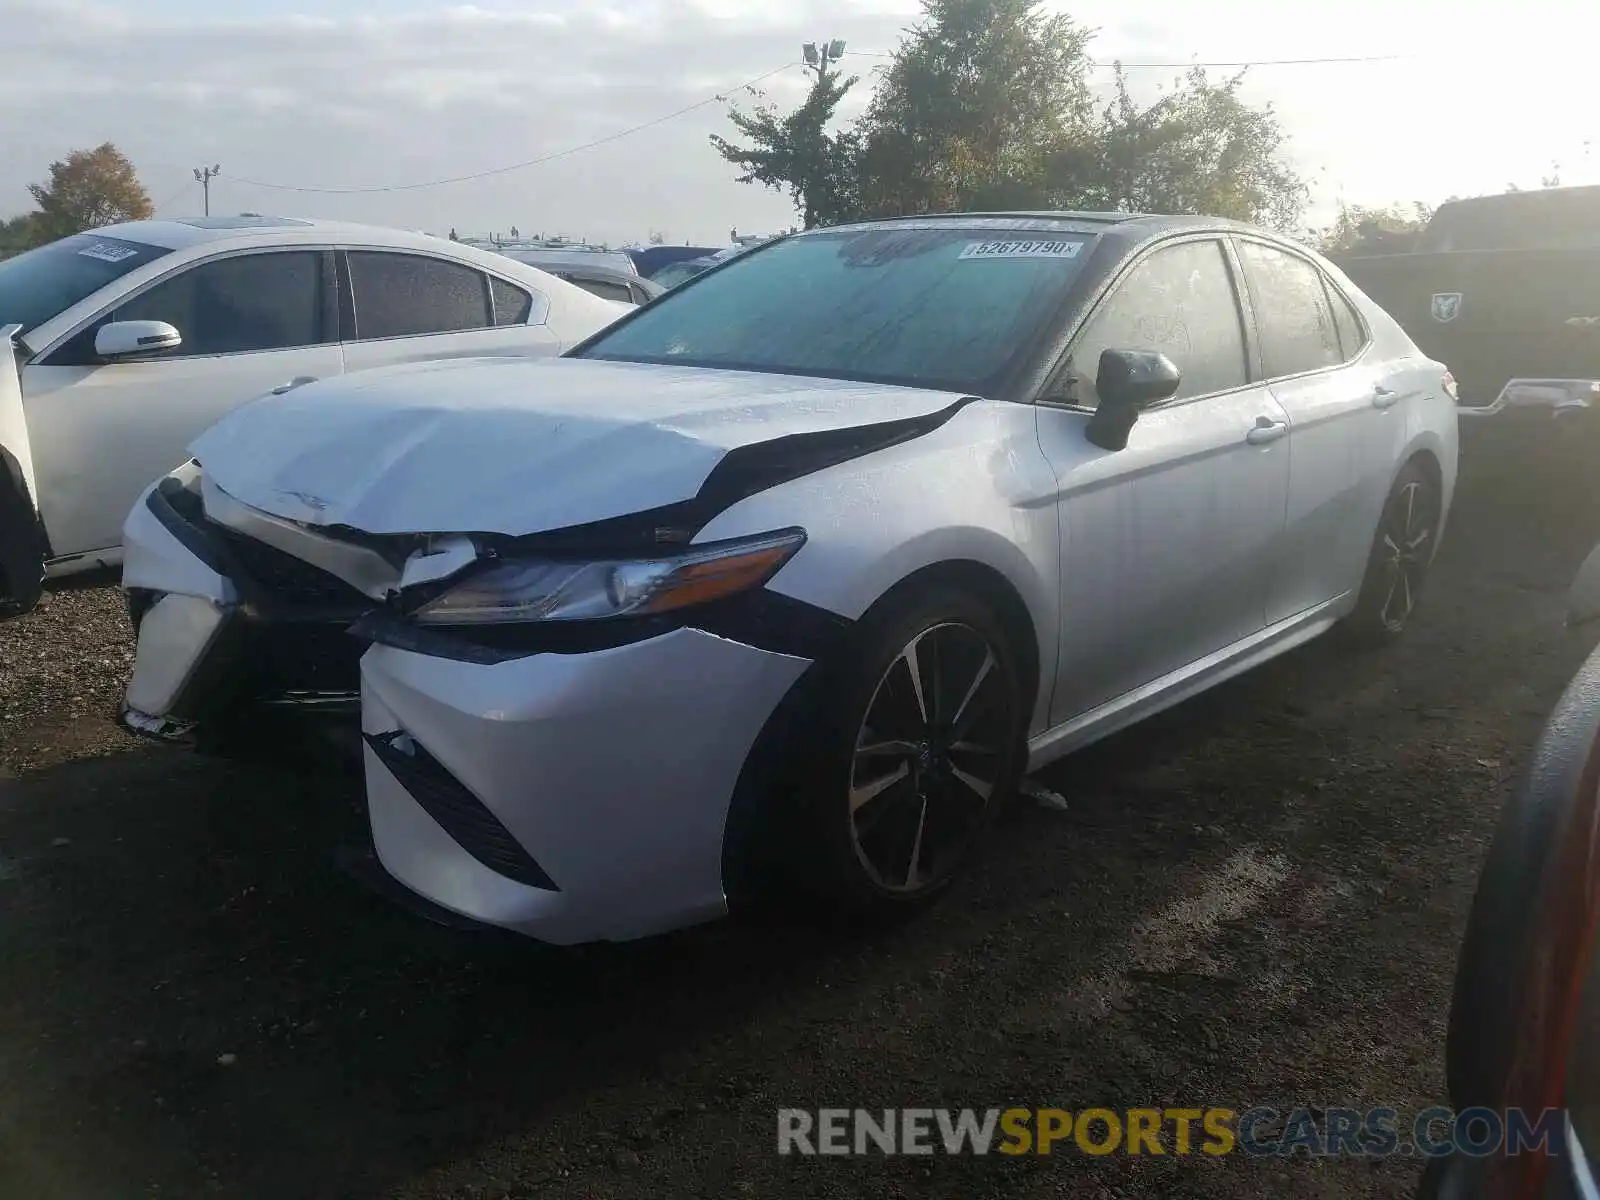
[(1254, 1132)]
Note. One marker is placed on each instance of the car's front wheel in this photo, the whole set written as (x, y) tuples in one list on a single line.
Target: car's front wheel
[(1397, 564), (918, 738)]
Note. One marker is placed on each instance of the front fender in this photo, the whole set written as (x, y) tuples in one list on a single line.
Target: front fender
[(977, 489)]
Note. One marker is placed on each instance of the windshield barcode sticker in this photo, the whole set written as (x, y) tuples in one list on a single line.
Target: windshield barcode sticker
[(108, 252), (1022, 249)]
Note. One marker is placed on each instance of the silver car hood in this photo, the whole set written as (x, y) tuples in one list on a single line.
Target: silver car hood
[(516, 446)]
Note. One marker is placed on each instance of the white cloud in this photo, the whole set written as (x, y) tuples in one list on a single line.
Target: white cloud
[(376, 94)]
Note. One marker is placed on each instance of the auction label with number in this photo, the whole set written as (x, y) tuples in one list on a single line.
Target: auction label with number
[(1051, 248), (108, 252)]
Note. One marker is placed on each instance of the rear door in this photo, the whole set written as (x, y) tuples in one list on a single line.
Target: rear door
[(405, 307), (250, 321), (1343, 408)]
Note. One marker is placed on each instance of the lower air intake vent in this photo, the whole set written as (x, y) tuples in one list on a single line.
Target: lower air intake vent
[(459, 813)]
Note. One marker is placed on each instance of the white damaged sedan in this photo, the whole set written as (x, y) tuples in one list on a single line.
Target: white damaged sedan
[(782, 581)]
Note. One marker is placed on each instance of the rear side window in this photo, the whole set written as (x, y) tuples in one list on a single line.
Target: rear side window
[(511, 304), (269, 301), (1179, 301), (1352, 334), (1292, 312), (407, 295)]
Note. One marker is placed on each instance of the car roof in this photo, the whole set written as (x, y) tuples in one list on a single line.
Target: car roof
[(181, 233), (557, 258), (589, 270), (1054, 219)]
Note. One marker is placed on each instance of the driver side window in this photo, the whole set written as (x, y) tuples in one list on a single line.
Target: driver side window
[(1179, 301), (232, 305)]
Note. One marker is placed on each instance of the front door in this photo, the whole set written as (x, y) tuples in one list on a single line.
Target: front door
[(102, 431), (1168, 544)]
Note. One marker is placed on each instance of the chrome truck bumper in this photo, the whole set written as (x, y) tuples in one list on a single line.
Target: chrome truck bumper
[(1563, 398)]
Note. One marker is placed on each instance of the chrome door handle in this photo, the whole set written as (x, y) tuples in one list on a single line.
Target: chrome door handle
[(1383, 397), (293, 383), (1266, 430)]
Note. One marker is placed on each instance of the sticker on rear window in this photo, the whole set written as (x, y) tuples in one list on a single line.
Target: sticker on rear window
[(108, 252), (1022, 249)]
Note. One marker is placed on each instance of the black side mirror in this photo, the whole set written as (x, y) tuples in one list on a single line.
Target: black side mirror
[(1127, 381)]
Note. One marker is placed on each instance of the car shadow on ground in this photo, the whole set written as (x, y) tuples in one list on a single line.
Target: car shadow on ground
[(193, 997)]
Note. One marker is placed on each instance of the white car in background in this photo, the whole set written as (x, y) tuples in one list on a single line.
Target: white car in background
[(126, 342), (785, 578)]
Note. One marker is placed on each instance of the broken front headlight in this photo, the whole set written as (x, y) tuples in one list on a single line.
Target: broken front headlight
[(558, 590)]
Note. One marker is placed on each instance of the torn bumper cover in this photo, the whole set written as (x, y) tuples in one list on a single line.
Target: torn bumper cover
[(228, 626), (571, 792)]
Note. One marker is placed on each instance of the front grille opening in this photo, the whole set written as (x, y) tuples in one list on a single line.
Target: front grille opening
[(288, 578)]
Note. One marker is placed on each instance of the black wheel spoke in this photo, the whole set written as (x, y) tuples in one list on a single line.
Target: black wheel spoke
[(929, 756), (1405, 545)]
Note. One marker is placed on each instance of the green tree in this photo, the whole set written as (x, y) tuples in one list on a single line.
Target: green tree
[(20, 233), (797, 154), (1198, 149), (88, 189), (988, 104), (1364, 229), (978, 100)]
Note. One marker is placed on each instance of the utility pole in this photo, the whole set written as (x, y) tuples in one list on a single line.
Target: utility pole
[(819, 54), (203, 176)]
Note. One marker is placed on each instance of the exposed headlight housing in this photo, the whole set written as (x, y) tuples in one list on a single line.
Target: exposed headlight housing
[(527, 590), (187, 476)]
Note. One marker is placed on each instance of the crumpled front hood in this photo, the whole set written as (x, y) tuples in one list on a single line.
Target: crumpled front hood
[(517, 445)]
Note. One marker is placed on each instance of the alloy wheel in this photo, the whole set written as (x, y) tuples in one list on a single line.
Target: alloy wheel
[(928, 757), (1406, 541)]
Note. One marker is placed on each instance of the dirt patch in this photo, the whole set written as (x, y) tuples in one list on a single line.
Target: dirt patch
[(1254, 899)]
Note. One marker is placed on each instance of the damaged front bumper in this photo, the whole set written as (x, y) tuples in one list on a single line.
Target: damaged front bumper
[(572, 794), (229, 630)]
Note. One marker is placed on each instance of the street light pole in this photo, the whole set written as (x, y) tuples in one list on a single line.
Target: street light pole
[(203, 176), (819, 54)]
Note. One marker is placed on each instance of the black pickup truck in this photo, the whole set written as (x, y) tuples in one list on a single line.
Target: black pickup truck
[(1505, 291)]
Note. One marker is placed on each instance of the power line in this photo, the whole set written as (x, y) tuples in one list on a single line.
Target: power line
[(721, 98), (175, 195), (718, 98), (1252, 62)]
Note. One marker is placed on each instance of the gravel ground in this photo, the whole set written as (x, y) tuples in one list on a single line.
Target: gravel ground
[(1254, 899)]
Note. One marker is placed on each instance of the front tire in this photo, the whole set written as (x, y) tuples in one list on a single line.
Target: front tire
[(1397, 564), (918, 739)]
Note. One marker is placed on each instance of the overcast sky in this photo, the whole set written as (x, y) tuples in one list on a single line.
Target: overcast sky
[(365, 93)]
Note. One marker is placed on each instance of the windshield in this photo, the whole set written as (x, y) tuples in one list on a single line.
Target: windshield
[(929, 306), (43, 282)]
